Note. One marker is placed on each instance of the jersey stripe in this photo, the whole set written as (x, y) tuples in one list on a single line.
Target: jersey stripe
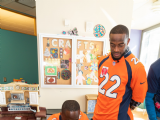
[(123, 109), (127, 54), (103, 61)]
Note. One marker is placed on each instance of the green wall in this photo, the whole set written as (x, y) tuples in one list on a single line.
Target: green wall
[(18, 57)]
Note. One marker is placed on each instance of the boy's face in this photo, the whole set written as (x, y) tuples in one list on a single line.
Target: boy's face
[(70, 115)]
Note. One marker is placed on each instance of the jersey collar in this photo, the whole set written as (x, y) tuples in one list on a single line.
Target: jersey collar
[(127, 52)]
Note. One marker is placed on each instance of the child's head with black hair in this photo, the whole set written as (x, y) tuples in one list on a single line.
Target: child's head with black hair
[(70, 110)]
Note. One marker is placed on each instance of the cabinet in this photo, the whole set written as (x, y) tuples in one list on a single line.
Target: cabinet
[(33, 98), (2, 98), (69, 61)]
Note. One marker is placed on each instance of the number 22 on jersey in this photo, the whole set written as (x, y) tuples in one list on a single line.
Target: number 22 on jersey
[(108, 93)]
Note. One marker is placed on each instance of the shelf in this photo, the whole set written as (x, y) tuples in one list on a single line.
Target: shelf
[(18, 101), (16, 91)]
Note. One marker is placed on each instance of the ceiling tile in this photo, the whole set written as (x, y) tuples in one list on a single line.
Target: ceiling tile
[(31, 12), (5, 2), (30, 3), (18, 7)]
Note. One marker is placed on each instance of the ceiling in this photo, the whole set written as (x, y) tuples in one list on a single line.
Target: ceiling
[(144, 14), (142, 18), (16, 21), (23, 6)]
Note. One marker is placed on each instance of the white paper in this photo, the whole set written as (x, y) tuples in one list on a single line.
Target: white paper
[(79, 44), (68, 44), (61, 42), (53, 42)]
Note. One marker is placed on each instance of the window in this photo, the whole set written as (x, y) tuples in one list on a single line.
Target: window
[(150, 46)]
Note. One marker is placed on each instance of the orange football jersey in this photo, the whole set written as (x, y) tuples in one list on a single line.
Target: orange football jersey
[(119, 82), (57, 116)]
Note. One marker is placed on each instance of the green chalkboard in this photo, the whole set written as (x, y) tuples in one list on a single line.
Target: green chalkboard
[(18, 57)]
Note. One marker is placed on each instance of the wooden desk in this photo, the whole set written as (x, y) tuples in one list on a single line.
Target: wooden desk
[(13, 118), (26, 115)]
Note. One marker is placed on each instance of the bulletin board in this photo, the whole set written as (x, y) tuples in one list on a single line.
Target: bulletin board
[(57, 54), (88, 54), (61, 65)]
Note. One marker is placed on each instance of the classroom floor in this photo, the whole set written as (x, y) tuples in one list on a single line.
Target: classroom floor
[(138, 113)]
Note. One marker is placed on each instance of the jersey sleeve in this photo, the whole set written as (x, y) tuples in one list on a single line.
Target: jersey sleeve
[(150, 106), (54, 117), (152, 81), (139, 84), (83, 116), (152, 89)]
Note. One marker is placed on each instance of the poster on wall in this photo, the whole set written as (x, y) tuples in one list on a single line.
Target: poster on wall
[(51, 70), (51, 80), (88, 54)]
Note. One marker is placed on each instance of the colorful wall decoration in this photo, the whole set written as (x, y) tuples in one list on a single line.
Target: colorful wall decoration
[(69, 61), (51, 80), (56, 56), (99, 31), (87, 61), (51, 70)]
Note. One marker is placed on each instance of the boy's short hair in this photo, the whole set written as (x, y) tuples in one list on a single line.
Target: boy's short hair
[(70, 105)]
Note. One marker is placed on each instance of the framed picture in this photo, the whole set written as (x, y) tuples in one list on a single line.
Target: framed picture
[(51, 70), (51, 80)]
